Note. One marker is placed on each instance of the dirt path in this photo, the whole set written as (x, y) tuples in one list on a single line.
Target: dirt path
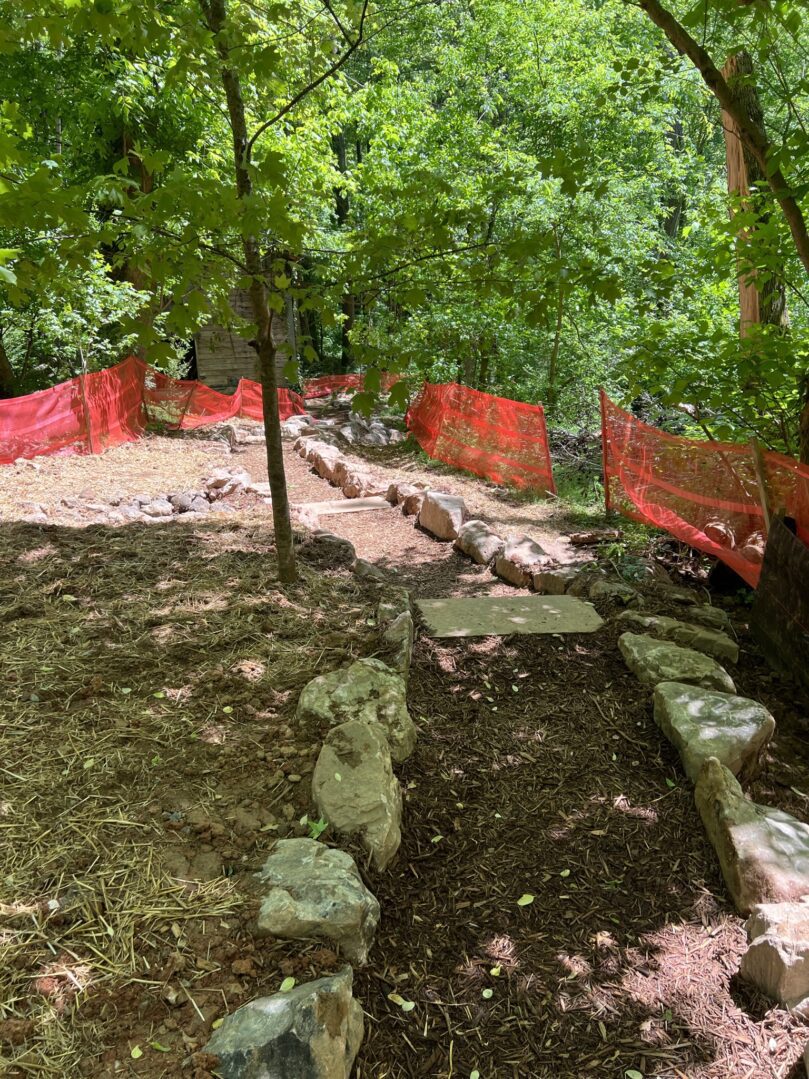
[(540, 772)]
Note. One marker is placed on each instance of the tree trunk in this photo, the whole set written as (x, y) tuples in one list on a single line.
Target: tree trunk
[(753, 138), (675, 210), (341, 209), (803, 434), (216, 16), (8, 383), (746, 179), (750, 132)]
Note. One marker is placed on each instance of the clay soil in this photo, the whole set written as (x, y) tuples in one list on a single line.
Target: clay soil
[(150, 758)]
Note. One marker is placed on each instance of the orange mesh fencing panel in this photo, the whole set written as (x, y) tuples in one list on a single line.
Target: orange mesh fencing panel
[(252, 408), (502, 440), (97, 411), (706, 494), (115, 408), (49, 421), (327, 384)]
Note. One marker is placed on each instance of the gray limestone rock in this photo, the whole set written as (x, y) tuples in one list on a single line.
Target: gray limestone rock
[(312, 1032), (777, 959), (522, 557), (654, 661), (479, 541), (557, 580), (763, 852), (312, 891), (355, 790), (442, 515), (702, 639), (368, 691), (702, 723)]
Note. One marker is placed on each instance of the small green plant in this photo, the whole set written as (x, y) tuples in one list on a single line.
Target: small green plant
[(316, 827)]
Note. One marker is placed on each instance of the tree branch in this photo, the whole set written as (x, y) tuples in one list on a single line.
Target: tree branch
[(750, 132)]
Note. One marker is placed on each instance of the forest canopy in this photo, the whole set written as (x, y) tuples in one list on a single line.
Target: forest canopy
[(531, 198)]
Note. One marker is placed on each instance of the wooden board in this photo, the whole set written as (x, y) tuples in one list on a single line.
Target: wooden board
[(780, 619), (499, 616)]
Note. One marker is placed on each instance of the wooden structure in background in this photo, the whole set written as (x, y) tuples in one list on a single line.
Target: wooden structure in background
[(223, 357)]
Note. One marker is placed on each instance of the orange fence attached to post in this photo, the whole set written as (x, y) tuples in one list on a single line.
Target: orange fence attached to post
[(502, 440), (103, 409), (707, 494)]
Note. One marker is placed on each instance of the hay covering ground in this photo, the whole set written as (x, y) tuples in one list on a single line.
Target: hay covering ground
[(150, 676)]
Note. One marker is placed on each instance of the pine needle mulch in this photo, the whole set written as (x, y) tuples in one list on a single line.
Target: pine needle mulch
[(150, 674), (540, 773)]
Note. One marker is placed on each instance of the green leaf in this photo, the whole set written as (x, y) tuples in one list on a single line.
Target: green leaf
[(136, 1052), (286, 985), (525, 900)]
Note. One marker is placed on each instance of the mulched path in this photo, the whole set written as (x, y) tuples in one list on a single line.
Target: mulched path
[(539, 771)]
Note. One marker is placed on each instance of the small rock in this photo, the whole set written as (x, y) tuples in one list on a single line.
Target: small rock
[(479, 542), (368, 571), (355, 790), (711, 641), (200, 505), (777, 960), (182, 503), (399, 637), (158, 507), (394, 601), (557, 580), (763, 852), (522, 557), (713, 617), (442, 515), (316, 892), (312, 1032), (701, 723), (616, 591), (654, 661), (412, 501), (359, 484), (367, 691)]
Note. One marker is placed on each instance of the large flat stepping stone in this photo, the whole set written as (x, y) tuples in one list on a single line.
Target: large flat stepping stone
[(654, 661), (763, 852), (711, 641), (702, 723), (499, 616), (347, 505)]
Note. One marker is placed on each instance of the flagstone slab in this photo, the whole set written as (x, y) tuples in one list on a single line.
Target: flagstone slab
[(499, 616), (348, 505)]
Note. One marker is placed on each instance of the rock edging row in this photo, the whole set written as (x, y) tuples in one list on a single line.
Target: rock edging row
[(309, 890), (763, 852)]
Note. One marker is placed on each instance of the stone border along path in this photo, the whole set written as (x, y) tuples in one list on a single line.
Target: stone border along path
[(763, 852), (310, 890)]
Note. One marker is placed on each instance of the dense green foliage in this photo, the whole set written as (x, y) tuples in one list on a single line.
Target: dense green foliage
[(530, 198)]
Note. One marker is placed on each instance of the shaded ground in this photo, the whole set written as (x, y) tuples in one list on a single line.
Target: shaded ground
[(146, 750), (540, 771)]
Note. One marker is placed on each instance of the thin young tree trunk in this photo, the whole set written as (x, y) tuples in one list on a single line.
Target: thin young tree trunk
[(215, 13), (341, 209)]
